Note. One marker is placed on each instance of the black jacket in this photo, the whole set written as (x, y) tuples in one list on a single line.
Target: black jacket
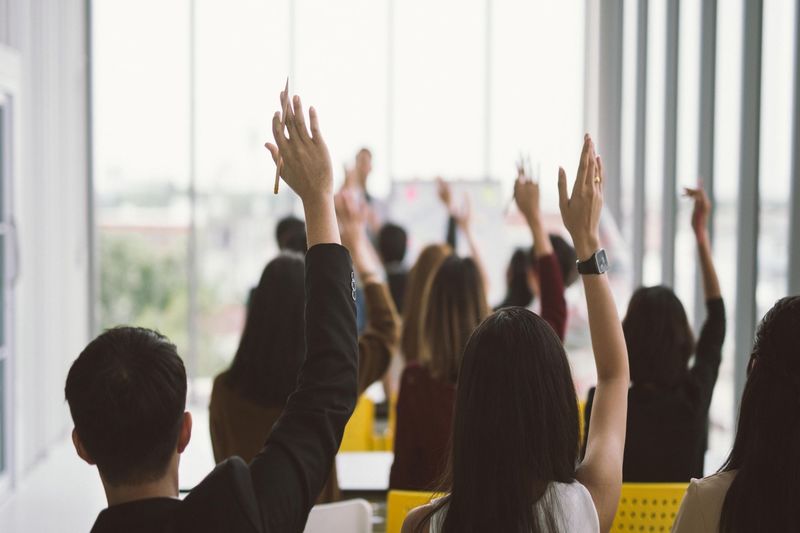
[(667, 430), (275, 493)]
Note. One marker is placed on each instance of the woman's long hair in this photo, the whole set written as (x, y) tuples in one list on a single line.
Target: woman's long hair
[(659, 337), (518, 290), (456, 305), (515, 427), (416, 297), (766, 452), (272, 347)]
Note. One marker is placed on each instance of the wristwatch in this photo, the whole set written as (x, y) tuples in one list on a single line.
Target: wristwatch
[(597, 264)]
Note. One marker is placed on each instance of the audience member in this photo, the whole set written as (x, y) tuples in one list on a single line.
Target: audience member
[(757, 487), (127, 392), (416, 297), (250, 396), (668, 402), (456, 303), (392, 241), (515, 431), (546, 279), (290, 233)]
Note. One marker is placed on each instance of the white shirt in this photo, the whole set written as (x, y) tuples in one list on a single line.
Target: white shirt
[(570, 503)]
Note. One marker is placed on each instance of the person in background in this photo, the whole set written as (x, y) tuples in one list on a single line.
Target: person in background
[(416, 297), (127, 393), (456, 303), (514, 460), (668, 402), (290, 233), (251, 395), (757, 488), (547, 277), (392, 242)]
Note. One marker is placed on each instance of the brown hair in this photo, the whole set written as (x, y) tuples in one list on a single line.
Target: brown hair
[(456, 305), (416, 296)]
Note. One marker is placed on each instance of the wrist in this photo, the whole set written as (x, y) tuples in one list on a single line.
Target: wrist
[(585, 247)]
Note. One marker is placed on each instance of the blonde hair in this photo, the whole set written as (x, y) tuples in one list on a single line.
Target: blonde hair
[(456, 305), (416, 296)]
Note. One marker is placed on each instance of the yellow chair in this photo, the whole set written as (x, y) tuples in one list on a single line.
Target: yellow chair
[(581, 419), (358, 432), (648, 506), (400, 503)]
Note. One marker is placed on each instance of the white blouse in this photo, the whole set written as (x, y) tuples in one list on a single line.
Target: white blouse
[(570, 503)]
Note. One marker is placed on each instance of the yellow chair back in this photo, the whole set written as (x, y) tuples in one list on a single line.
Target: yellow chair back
[(358, 432), (648, 506), (400, 503)]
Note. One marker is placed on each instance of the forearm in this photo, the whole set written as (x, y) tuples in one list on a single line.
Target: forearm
[(377, 343), (321, 224), (365, 261), (710, 279), (541, 240), (608, 341), (475, 253)]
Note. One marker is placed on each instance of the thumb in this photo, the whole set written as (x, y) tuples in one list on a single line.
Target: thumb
[(273, 150), (563, 199)]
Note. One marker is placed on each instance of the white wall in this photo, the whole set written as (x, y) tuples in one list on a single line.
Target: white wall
[(51, 314)]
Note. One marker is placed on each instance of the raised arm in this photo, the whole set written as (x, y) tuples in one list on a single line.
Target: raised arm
[(290, 471), (551, 284), (708, 354), (377, 343), (601, 469), (463, 219), (446, 197)]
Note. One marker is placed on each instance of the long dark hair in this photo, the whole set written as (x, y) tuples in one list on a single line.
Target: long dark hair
[(659, 337), (518, 292), (764, 494), (272, 347), (456, 305), (515, 427)]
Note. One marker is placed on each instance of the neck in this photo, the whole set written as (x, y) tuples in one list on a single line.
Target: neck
[(165, 487)]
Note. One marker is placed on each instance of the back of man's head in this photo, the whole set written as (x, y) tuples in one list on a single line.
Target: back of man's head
[(127, 394), (291, 234), (392, 241)]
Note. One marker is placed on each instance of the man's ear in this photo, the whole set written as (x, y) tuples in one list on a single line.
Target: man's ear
[(79, 448), (185, 434)]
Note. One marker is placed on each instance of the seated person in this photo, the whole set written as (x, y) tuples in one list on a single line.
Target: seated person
[(757, 487), (290, 233), (249, 397), (668, 402), (392, 241), (127, 393), (514, 461)]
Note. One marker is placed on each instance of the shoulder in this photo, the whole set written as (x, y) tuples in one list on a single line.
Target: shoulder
[(714, 486), (220, 389), (414, 372), (702, 504), (415, 518)]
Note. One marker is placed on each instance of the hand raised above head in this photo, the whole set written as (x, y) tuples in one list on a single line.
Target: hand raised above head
[(581, 210), (444, 192), (526, 195), (352, 216), (306, 163), (702, 207)]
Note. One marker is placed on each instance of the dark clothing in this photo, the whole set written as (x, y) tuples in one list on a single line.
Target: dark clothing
[(424, 418), (276, 491), (551, 287), (396, 277), (240, 426), (667, 431)]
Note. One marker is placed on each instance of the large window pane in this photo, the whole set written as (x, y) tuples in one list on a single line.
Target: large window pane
[(439, 89), (777, 81)]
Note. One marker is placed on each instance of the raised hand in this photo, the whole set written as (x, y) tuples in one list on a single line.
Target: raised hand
[(463, 214), (352, 216), (306, 166), (581, 210), (701, 211), (445, 193), (526, 195)]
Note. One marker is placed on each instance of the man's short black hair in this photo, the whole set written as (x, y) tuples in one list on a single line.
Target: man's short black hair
[(127, 394), (392, 241), (291, 234)]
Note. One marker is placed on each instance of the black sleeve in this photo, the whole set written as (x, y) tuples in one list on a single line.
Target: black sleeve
[(291, 470), (708, 354), (451, 233), (587, 415)]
